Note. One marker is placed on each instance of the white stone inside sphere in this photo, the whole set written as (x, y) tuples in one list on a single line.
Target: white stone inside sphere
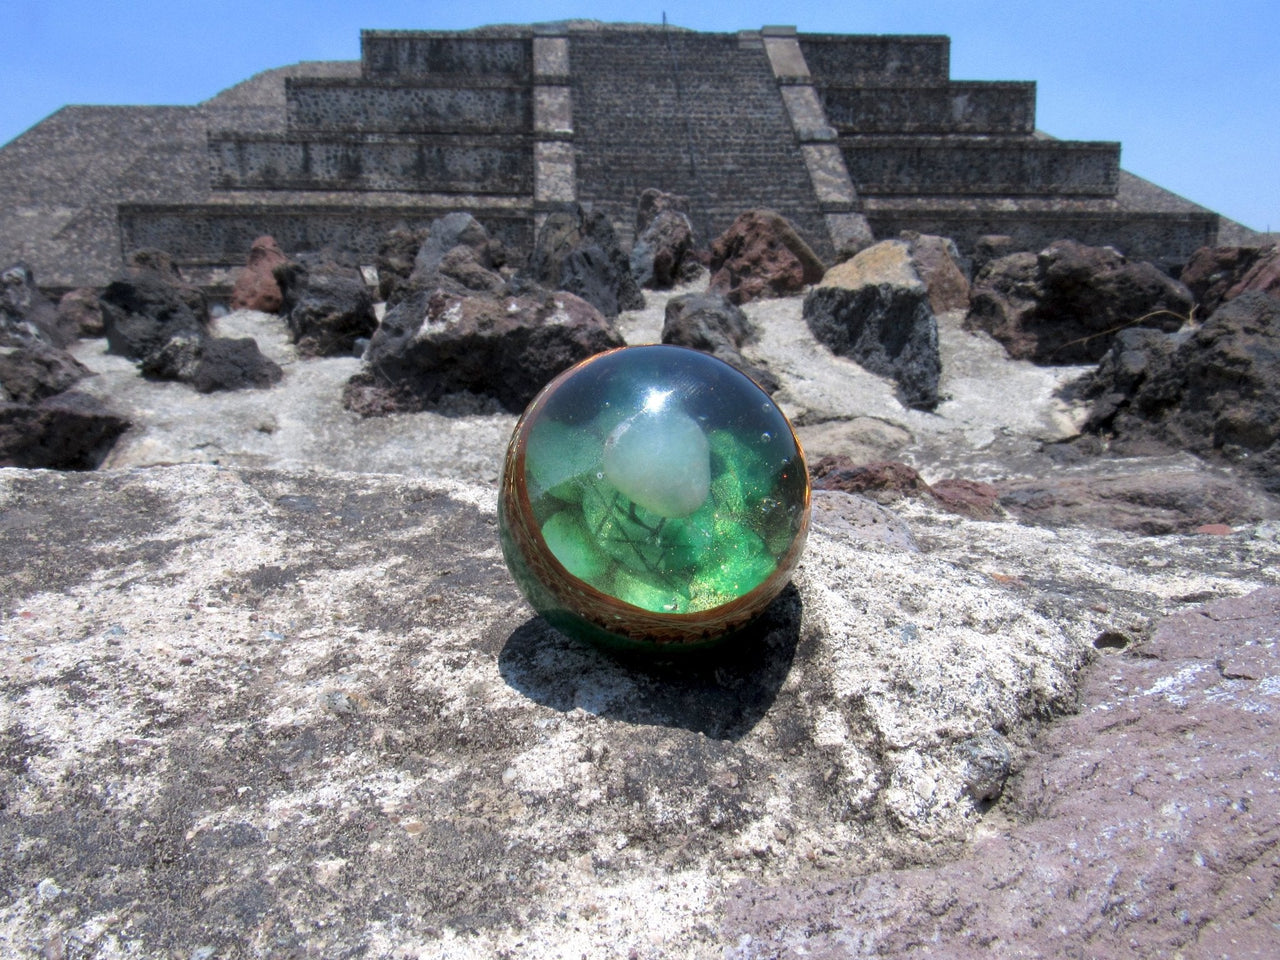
[(660, 460)]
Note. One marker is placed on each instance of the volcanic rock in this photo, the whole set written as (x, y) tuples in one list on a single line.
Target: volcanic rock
[(1217, 274), (26, 314), (147, 305), (1066, 304), (1213, 390), (327, 307), (884, 480), (256, 287), (434, 344), (761, 255), (710, 323), (457, 256), (875, 310), (394, 261), (1146, 501), (80, 310), (937, 263), (37, 370), (65, 431), (213, 363), (663, 254), (1163, 834), (652, 202), (578, 252)]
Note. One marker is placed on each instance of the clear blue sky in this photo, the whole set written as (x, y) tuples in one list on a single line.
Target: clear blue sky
[(1191, 89)]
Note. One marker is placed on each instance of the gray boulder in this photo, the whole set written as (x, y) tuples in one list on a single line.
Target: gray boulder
[(26, 315), (327, 307), (37, 370), (875, 310), (1213, 390), (81, 311), (149, 303), (213, 363), (1066, 304), (434, 344), (577, 251), (710, 323), (663, 254)]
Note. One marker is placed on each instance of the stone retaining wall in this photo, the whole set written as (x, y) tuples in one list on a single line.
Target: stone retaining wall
[(975, 166), (839, 58), (393, 106), (501, 165), (219, 234), (957, 107), (407, 53)]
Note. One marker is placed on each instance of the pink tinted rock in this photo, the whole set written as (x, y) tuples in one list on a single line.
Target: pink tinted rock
[(883, 480), (1153, 503), (256, 287), (969, 498), (1146, 825), (1264, 275)]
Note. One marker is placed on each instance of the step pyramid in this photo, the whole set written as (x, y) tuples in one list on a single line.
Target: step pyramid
[(836, 132)]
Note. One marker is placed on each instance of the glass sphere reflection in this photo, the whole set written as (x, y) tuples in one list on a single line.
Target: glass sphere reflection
[(652, 496)]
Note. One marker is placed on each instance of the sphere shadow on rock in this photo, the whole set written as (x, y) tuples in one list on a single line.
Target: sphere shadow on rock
[(722, 692)]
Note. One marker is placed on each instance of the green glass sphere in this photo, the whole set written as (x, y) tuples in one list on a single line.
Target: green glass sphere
[(652, 497)]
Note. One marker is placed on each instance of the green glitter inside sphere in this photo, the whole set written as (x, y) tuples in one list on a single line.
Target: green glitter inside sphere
[(652, 497)]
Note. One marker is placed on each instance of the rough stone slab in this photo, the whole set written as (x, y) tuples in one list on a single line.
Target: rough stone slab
[(831, 181), (784, 55), (1150, 825), (552, 110), (554, 176), (270, 711), (550, 57)]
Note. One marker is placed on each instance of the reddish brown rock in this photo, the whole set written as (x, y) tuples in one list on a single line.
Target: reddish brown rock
[(1263, 276), (883, 480), (1217, 274), (256, 287), (936, 263), (1148, 825), (761, 255), (969, 498), (80, 311)]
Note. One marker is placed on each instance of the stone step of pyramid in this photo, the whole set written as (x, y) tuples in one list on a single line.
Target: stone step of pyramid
[(478, 164), (974, 107), (971, 165)]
